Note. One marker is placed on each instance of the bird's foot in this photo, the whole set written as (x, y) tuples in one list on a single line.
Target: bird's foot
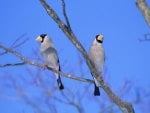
[(45, 66), (101, 78)]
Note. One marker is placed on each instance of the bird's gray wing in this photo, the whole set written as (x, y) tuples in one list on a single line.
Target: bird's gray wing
[(50, 57)]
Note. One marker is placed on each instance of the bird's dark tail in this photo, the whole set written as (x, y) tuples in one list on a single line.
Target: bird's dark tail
[(59, 82), (96, 88), (96, 91), (60, 85)]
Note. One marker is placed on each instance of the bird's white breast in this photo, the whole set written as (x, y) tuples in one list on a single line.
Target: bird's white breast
[(96, 54)]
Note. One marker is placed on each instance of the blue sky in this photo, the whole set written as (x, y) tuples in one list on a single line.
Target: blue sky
[(120, 22)]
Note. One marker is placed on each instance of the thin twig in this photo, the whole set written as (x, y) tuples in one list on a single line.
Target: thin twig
[(23, 95), (72, 102), (8, 65), (16, 44), (65, 14)]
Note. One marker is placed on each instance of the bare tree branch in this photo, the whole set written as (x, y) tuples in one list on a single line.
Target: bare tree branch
[(73, 103), (124, 106), (16, 64), (16, 44), (65, 14), (143, 7), (23, 95), (25, 61)]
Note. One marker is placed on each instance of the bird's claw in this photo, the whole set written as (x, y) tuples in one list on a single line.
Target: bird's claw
[(45, 66), (100, 78)]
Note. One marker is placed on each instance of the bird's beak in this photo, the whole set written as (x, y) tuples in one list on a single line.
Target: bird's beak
[(38, 39), (100, 37)]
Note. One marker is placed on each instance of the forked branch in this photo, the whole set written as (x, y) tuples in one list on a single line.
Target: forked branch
[(125, 107)]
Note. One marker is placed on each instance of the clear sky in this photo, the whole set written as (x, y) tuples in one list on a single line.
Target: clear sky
[(120, 22)]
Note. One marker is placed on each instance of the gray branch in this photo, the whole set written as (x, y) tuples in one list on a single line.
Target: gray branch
[(65, 14), (143, 7)]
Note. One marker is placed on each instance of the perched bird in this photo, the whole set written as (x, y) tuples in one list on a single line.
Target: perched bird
[(96, 54), (50, 55)]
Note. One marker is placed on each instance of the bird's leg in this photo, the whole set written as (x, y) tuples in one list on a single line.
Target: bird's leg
[(100, 78)]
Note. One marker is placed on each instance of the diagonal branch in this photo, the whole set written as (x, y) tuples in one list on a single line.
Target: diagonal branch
[(125, 107), (143, 7), (26, 61)]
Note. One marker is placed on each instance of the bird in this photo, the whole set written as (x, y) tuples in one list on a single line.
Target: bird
[(97, 56), (50, 55)]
